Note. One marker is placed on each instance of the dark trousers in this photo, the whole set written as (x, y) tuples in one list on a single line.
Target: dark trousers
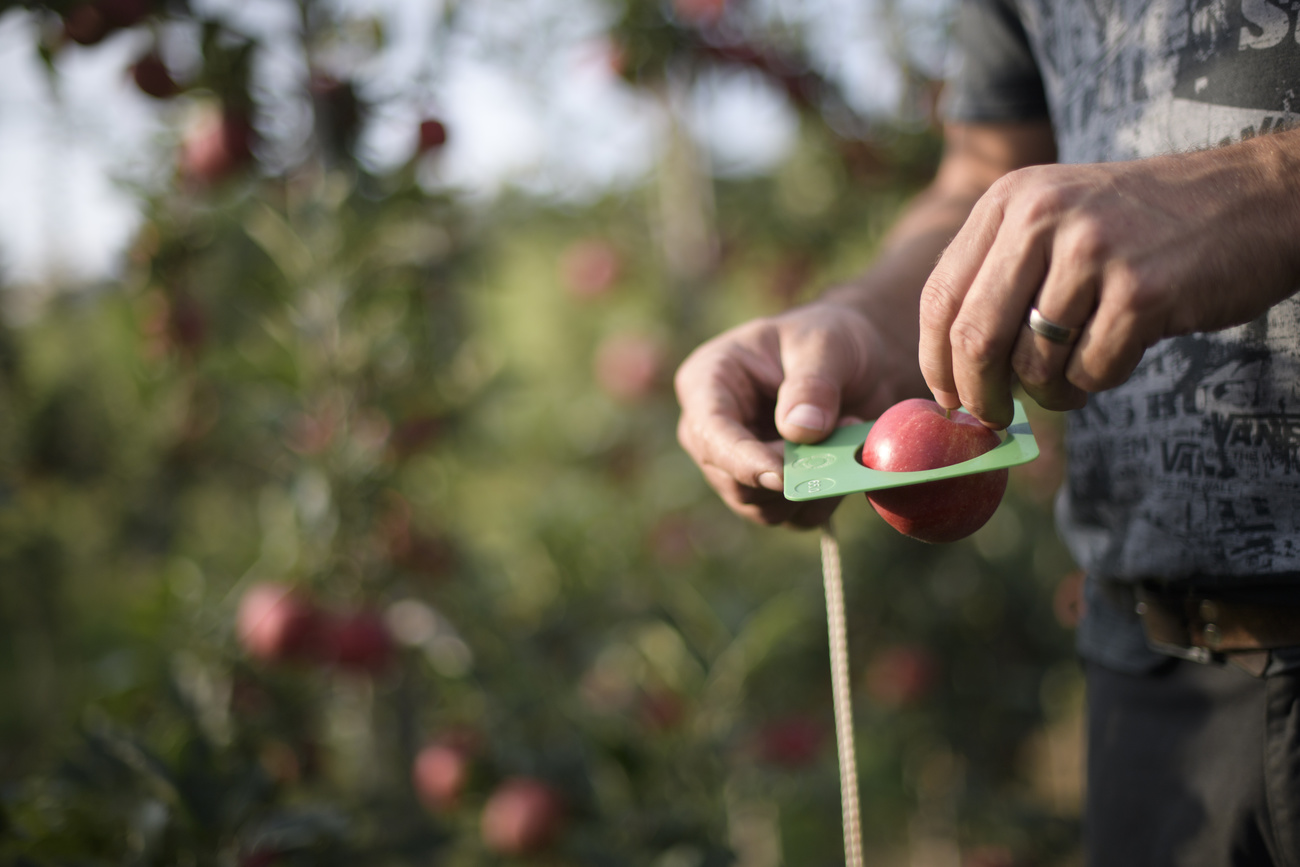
[(1192, 766)]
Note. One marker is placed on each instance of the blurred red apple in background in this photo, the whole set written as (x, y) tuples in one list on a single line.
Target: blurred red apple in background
[(792, 742), (85, 25), (441, 772), (433, 135), (278, 623), (359, 642), (590, 268), (661, 709), (218, 144), (153, 77), (523, 816), (629, 366), (124, 13), (917, 435), (699, 12), (901, 675)]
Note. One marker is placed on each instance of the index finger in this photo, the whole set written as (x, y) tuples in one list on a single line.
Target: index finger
[(721, 401), (716, 440), (946, 290)]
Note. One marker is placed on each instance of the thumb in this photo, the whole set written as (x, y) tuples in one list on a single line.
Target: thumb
[(808, 400)]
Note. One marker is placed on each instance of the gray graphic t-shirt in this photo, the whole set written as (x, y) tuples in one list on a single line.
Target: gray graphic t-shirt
[(1191, 469)]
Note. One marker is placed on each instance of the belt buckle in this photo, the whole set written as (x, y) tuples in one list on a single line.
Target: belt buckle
[(1202, 655), (1168, 629), (1165, 623)]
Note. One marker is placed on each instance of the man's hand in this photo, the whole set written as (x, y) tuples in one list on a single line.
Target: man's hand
[(1129, 252), (850, 355), (794, 376)]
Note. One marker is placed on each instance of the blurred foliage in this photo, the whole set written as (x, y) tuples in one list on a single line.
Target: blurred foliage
[(462, 418)]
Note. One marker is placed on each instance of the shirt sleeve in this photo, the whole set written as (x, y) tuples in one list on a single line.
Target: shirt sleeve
[(996, 78)]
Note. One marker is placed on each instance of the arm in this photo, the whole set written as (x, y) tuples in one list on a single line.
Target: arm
[(850, 353), (1132, 252)]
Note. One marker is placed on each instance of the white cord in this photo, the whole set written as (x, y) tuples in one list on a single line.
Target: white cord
[(834, 582)]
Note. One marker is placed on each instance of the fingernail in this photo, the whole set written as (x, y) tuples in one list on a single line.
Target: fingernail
[(806, 415), (771, 481)]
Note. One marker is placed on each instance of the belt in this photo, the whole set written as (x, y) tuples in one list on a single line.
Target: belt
[(1207, 629)]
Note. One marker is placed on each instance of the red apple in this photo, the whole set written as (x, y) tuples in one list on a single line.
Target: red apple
[(279, 623), (360, 642), (218, 145), (901, 675), (433, 135), (441, 772), (629, 366), (918, 435), (85, 25), (792, 742), (661, 710), (153, 77), (590, 268), (523, 816), (124, 13), (700, 13)]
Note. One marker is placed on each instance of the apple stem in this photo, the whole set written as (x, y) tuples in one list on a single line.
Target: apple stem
[(947, 413)]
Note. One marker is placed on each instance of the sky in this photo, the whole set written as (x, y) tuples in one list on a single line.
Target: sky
[(525, 89)]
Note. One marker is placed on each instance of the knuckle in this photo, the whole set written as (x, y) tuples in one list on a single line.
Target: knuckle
[(973, 344), (812, 387), (935, 374), (1087, 242), (1040, 205), (1100, 377), (1143, 289), (1033, 371), (1137, 293), (940, 297), (1009, 185), (1036, 197)]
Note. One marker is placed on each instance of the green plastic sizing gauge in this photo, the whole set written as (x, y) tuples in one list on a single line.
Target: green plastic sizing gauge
[(830, 468)]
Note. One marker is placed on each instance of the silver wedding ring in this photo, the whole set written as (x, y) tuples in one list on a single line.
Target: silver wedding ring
[(1040, 324)]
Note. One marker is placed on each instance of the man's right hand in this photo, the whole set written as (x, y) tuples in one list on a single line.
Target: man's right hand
[(798, 376)]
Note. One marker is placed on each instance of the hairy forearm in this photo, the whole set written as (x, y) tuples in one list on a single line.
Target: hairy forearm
[(1245, 198)]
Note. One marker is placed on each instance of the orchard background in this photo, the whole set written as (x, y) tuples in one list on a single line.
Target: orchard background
[(341, 515)]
